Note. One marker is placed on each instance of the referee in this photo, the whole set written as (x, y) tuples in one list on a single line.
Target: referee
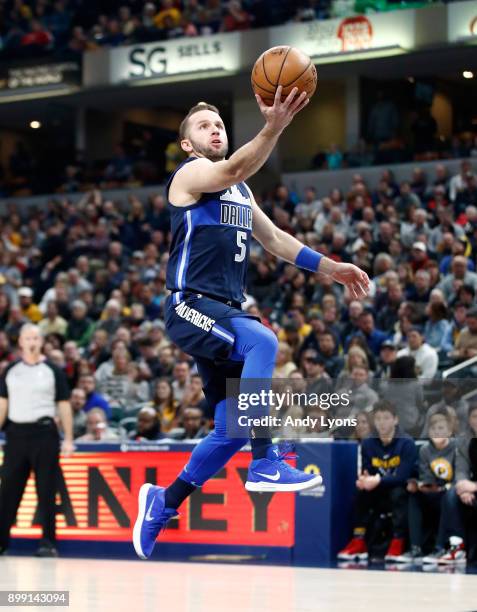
[(30, 389)]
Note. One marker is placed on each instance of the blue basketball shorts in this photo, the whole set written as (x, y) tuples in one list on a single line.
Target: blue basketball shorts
[(200, 326)]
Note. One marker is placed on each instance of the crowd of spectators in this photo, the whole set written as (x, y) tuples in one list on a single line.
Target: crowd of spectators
[(132, 164), (92, 275), (67, 28), (140, 163), (423, 498), (400, 150)]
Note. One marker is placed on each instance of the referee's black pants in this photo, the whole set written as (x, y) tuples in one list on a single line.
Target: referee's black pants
[(29, 446)]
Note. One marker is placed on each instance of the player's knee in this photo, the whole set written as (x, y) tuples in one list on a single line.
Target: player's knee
[(268, 341)]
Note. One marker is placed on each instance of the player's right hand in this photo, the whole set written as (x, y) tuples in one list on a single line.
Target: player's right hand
[(281, 113)]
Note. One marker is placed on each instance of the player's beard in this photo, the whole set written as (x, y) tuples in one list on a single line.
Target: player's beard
[(209, 153)]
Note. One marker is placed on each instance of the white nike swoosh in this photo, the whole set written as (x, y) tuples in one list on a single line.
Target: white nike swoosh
[(270, 476), (148, 513)]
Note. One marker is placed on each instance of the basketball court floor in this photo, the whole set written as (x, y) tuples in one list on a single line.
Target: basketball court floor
[(135, 586)]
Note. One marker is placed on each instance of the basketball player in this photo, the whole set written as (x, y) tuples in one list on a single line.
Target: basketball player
[(214, 216)]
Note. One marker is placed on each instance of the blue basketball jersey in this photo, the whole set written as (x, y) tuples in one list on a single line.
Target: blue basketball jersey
[(211, 243)]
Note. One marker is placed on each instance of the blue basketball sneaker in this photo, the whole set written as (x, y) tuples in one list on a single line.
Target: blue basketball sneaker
[(274, 474), (152, 518)]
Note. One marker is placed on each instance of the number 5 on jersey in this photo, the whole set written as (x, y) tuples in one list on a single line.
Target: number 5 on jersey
[(242, 244)]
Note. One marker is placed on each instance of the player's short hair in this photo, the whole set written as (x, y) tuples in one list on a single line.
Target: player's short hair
[(200, 106)]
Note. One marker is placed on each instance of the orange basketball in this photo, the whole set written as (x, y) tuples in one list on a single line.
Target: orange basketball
[(285, 66)]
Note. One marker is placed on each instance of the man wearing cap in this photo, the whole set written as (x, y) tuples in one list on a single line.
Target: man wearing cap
[(387, 356), (317, 379), (28, 308), (419, 256), (425, 356)]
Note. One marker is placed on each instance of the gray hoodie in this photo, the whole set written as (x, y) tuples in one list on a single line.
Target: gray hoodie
[(437, 466)]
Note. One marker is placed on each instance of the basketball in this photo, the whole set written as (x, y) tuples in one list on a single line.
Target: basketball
[(285, 66)]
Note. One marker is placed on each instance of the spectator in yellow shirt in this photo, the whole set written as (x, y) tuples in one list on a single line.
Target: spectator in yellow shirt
[(28, 308), (168, 14), (297, 317)]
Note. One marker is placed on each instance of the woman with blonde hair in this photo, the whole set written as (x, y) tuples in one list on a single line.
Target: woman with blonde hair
[(355, 356), (284, 364)]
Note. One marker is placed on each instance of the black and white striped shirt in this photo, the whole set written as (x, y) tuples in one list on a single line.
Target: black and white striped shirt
[(33, 390)]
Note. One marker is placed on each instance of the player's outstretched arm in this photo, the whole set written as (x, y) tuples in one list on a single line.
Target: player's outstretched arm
[(204, 175), (283, 245)]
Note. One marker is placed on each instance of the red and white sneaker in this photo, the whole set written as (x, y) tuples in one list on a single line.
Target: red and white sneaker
[(455, 554), (396, 551), (356, 549)]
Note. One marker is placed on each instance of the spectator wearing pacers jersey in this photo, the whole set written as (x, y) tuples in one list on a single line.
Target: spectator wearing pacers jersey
[(436, 474), (388, 461), (32, 391), (459, 506)]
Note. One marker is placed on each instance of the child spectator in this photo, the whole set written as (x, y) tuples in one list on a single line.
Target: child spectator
[(388, 462), (459, 506), (436, 473)]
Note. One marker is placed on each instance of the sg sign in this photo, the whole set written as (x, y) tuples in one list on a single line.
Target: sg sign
[(147, 62), (161, 59)]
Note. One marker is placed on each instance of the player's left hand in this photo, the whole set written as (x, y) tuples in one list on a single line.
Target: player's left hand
[(356, 280)]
